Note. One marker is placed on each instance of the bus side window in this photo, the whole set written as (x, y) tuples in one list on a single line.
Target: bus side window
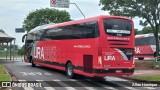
[(51, 34), (75, 31), (145, 41), (38, 35)]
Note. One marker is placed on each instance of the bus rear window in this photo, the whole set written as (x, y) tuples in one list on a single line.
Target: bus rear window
[(117, 27)]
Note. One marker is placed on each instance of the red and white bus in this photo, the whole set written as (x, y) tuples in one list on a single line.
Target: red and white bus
[(145, 46), (95, 47)]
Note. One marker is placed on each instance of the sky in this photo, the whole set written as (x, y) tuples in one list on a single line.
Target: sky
[(13, 13)]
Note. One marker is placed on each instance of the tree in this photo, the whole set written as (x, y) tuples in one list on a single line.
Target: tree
[(44, 16), (21, 51), (146, 30), (135, 31), (1, 30), (148, 10)]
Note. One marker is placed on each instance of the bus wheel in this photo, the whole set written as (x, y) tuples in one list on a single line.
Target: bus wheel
[(141, 58), (33, 65), (69, 70)]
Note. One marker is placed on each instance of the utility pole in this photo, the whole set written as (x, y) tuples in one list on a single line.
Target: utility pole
[(78, 9)]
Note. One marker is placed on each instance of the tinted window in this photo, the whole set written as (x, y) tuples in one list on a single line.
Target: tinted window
[(145, 41), (38, 34), (76, 31), (117, 27), (30, 36), (35, 35)]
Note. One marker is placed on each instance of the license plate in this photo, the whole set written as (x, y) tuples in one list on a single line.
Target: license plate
[(118, 71)]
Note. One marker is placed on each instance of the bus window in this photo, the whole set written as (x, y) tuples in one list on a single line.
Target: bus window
[(145, 46), (145, 41), (117, 27), (76, 31)]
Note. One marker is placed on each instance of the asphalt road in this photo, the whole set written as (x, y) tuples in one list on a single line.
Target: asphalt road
[(51, 79)]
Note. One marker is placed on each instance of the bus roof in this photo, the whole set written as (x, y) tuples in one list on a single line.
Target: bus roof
[(45, 26), (96, 18), (145, 35)]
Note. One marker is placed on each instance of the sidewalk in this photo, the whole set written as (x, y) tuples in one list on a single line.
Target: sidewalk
[(146, 72), (3, 61)]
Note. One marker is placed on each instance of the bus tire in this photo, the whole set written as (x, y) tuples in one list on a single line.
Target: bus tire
[(69, 70), (142, 58), (154, 54), (30, 59), (33, 65)]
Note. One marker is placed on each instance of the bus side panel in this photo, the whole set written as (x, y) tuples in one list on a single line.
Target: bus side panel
[(58, 52), (145, 51)]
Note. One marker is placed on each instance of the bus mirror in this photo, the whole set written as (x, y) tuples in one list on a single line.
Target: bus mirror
[(24, 37)]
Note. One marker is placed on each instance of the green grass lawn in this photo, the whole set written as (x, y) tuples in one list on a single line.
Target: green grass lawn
[(3, 75), (148, 78)]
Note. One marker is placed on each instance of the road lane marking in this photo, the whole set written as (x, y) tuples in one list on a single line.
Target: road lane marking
[(64, 84), (150, 88), (109, 78), (106, 86), (46, 73), (131, 88), (56, 80), (89, 88), (39, 80), (84, 86), (116, 79), (26, 88), (103, 85), (21, 80), (131, 82), (73, 80), (34, 73), (125, 86), (49, 88), (69, 88)]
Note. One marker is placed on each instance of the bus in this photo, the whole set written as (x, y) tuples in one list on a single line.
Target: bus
[(95, 47), (145, 46)]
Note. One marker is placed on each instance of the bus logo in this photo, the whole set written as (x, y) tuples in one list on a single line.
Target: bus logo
[(109, 58), (39, 52), (137, 50)]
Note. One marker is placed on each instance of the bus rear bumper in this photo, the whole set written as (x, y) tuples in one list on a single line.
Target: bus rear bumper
[(109, 72), (113, 72)]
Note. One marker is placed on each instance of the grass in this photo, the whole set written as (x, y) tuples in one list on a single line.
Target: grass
[(144, 64), (148, 78), (3, 75)]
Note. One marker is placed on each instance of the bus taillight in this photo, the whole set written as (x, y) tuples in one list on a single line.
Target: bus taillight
[(100, 60)]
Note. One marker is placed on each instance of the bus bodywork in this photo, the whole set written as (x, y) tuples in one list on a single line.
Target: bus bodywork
[(145, 46), (99, 46)]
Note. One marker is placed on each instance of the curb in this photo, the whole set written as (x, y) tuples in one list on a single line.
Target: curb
[(139, 80), (11, 75), (7, 73), (12, 78)]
